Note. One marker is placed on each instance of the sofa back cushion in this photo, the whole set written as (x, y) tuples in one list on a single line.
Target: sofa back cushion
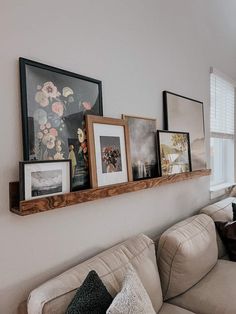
[(186, 253), (111, 265)]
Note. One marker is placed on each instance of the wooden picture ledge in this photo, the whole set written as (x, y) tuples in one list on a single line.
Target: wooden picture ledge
[(57, 201)]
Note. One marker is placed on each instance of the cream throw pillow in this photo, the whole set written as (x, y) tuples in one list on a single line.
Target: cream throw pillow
[(132, 298)]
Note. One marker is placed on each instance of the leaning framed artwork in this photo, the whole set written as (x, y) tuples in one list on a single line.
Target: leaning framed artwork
[(54, 103), (44, 178), (174, 152), (187, 115), (109, 154), (143, 151)]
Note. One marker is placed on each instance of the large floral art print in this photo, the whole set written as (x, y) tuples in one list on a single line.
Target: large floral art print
[(54, 104)]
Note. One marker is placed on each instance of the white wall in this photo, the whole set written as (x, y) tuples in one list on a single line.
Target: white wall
[(137, 48)]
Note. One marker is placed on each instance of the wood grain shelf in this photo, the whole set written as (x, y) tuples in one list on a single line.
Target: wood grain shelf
[(57, 201)]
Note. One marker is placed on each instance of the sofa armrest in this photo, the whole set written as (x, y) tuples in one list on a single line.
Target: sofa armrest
[(220, 211)]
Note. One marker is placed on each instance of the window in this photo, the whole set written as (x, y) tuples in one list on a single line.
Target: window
[(222, 130)]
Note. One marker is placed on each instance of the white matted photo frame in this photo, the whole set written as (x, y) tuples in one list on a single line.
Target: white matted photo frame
[(44, 178), (109, 152)]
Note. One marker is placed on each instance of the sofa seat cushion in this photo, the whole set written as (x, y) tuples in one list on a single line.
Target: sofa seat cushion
[(111, 265), (220, 211), (173, 309), (215, 293), (186, 253)]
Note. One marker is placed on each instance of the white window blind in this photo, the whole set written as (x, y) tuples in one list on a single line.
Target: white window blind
[(222, 107), (222, 129)]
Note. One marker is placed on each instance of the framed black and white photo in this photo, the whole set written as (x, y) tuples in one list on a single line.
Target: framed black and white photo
[(54, 103), (143, 150), (109, 154), (44, 178), (174, 152), (184, 114)]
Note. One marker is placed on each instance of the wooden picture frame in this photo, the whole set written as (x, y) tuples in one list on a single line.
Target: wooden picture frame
[(109, 151), (143, 146), (44, 178), (173, 158), (54, 103), (185, 114)]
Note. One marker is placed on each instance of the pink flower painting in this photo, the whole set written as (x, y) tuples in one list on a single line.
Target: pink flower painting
[(50, 90), (42, 99), (87, 105), (55, 103), (54, 132), (49, 141), (57, 107)]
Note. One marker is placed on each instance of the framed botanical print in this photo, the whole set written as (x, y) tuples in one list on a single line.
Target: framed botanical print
[(174, 152), (44, 178), (184, 114), (54, 103), (143, 150), (108, 144)]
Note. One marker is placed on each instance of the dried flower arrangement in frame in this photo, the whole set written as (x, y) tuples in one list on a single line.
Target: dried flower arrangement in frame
[(109, 153)]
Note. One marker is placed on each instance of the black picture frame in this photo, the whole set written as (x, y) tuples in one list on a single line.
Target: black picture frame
[(193, 122), (50, 168), (159, 152), (56, 101)]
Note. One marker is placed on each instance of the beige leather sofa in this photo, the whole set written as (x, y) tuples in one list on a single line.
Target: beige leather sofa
[(55, 295), (189, 277)]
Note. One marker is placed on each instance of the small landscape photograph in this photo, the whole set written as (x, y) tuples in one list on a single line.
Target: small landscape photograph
[(174, 152), (110, 154), (46, 182)]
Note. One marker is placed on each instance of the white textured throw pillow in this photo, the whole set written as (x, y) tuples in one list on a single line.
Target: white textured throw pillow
[(133, 298)]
